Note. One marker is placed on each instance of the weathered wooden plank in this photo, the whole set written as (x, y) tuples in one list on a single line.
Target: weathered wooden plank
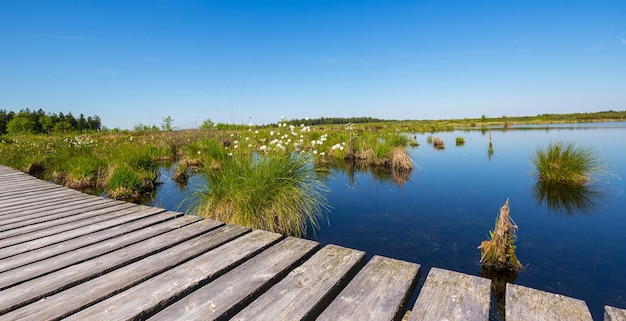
[(51, 212), (306, 290), (100, 288), (34, 209), (174, 283), (42, 208), (44, 212), (35, 205), (73, 213), (96, 216), (526, 304), (92, 238), (378, 292), (32, 290), (230, 292), (614, 314), (40, 197), (21, 188), (36, 269), (120, 217), (448, 295), (15, 175), (10, 183)]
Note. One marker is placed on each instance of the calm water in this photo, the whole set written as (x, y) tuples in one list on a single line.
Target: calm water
[(450, 203)]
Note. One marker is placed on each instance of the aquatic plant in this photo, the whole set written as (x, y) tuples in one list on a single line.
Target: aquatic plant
[(181, 174), (128, 183), (438, 143), (568, 164), (460, 141), (400, 160), (279, 192), (499, 251)]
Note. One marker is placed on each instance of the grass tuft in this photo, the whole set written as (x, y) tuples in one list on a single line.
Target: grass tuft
[(568, 164), (279, 192)]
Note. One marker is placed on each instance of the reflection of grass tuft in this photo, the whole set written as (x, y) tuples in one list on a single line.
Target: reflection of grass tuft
[(581, 199)]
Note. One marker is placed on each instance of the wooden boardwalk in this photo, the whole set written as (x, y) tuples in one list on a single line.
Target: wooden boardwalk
[(68, 255)]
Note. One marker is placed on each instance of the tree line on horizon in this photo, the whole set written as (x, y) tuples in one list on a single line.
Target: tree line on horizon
[(336, 121), (39, 122)]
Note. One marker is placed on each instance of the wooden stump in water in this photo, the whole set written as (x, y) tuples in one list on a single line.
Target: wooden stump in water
[(499, 252)]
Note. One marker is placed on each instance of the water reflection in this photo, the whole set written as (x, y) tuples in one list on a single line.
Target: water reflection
[(499, 279), (560, 199), (379, 173)]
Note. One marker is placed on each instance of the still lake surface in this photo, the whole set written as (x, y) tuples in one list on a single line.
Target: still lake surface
[(449, 205)]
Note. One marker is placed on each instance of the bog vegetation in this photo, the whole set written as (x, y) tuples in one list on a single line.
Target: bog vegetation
[(252, 172)]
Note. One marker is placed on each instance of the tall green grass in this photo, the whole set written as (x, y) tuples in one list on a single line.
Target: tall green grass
[(566, 163), (279, 192)]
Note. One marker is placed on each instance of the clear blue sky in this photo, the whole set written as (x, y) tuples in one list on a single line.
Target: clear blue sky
[(136, 62)]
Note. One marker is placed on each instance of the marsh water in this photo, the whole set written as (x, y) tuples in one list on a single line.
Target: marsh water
[(571, 243)]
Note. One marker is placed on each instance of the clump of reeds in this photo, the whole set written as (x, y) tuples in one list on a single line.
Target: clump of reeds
[(460, 141), (438, 143), (83, 172), (279, 192), (499, 251), (128, 183), (400, 160), (568, 164), (181, 173)]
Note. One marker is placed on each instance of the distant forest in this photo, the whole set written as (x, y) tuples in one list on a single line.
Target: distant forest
[(336, 120), (40, 122)]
